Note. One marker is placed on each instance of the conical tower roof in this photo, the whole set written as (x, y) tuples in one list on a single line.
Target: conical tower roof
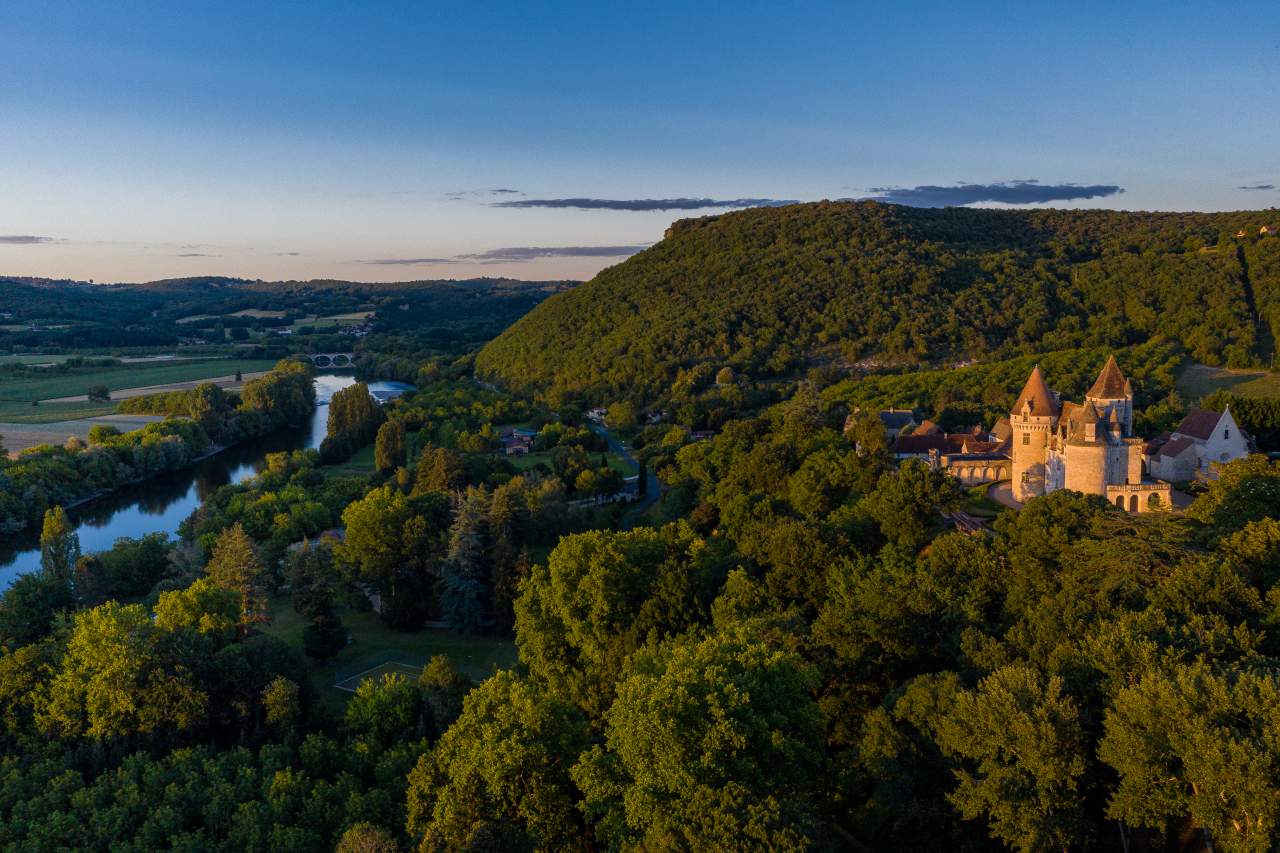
[(1089, 414), (1037, 393), (1111, 384)]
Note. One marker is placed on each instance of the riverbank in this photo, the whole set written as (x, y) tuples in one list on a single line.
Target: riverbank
[(162, 503)]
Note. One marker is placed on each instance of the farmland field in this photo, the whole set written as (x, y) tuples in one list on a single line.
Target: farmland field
[(25, 388), (33, 358), (1200, 380)]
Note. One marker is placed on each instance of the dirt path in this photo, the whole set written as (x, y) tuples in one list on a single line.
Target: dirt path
[(228, 383)]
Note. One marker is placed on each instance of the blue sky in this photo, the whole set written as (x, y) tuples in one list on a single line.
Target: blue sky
[(366, 141)]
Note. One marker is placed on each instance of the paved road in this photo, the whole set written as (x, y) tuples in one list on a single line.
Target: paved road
[(654, 486)]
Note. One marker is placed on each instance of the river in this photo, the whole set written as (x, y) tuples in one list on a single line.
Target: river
[(162, 503)]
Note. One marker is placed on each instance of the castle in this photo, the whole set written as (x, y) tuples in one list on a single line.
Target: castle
[(1089, 448)]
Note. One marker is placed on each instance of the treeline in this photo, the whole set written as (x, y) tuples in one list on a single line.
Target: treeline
[(46, 476), (983, 393), (1258, 416), (773, 291)]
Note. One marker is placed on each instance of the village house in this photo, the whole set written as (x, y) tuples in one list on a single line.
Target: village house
[(895, 422), (1203, 438), (517, 442)]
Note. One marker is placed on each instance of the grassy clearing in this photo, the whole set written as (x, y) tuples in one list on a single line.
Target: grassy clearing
[(361, 464), (1200, 380), (616, 462), (374, 644), (44, 386), (977, 504)]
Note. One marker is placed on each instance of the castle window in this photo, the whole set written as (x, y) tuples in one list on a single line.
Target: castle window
[(1226, 433), (1026, 438)]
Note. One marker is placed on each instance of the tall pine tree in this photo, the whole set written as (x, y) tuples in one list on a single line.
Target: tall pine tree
[(235, 565)]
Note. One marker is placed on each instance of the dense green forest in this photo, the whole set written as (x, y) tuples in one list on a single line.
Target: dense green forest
[(773, 291), (792, 652)]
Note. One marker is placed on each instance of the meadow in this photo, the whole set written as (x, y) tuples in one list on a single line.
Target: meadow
[(373, 644), (1199, 380), (53, 384)]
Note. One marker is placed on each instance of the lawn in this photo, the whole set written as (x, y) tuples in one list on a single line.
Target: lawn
[(360, 464), (977, 504), (524, 463), (374, 644), (1200, 380), (25, 388)]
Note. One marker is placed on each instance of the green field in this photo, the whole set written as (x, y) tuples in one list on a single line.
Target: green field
[(1200, 380), (24, 388), (360, 464), (33, 358), (616, 462), (333, 321), (46, 413), (374, 644)]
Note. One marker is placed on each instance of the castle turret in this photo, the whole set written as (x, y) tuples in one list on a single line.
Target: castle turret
[(1086, 452), (1031, 421), (1112, 392)]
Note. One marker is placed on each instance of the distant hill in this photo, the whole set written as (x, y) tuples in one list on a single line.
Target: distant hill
[(43, 313), (769, 291)]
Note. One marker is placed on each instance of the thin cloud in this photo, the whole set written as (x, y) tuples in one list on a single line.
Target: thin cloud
[(406, 262), (195, 255), (516, 254), (504, 191), (1258, 187), (23, 240), (1006, 192), (644, 204)]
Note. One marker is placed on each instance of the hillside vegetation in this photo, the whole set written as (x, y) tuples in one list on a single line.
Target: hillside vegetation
[(773, 290)]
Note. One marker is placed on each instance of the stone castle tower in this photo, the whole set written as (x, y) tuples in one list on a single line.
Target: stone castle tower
[(1088, 448), (1031, 421)]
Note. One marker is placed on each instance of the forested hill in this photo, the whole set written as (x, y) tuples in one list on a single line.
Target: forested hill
[(768, 291)]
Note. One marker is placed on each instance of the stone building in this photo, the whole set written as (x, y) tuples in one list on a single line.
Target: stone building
[(1203, 438), (1087, 447)]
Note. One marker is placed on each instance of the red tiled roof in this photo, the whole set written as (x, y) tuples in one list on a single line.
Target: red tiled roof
[(920, 444), (1176, 446), (1199, 423), (1110, 384)]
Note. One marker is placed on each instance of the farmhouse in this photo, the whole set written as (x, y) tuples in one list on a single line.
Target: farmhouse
[(1203, 438)]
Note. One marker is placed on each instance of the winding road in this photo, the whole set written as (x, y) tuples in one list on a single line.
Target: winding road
[(653, 488)]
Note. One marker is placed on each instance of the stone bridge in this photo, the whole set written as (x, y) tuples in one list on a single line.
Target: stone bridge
[(332, 359)]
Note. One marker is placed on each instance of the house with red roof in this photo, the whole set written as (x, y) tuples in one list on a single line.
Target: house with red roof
[(1205, 438)]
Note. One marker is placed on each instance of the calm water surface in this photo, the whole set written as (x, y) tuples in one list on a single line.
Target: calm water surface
[(162, 503)]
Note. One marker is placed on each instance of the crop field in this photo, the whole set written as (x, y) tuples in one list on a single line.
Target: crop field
[(25, 388), (1201, 380), (33, 358), (334, 320)]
